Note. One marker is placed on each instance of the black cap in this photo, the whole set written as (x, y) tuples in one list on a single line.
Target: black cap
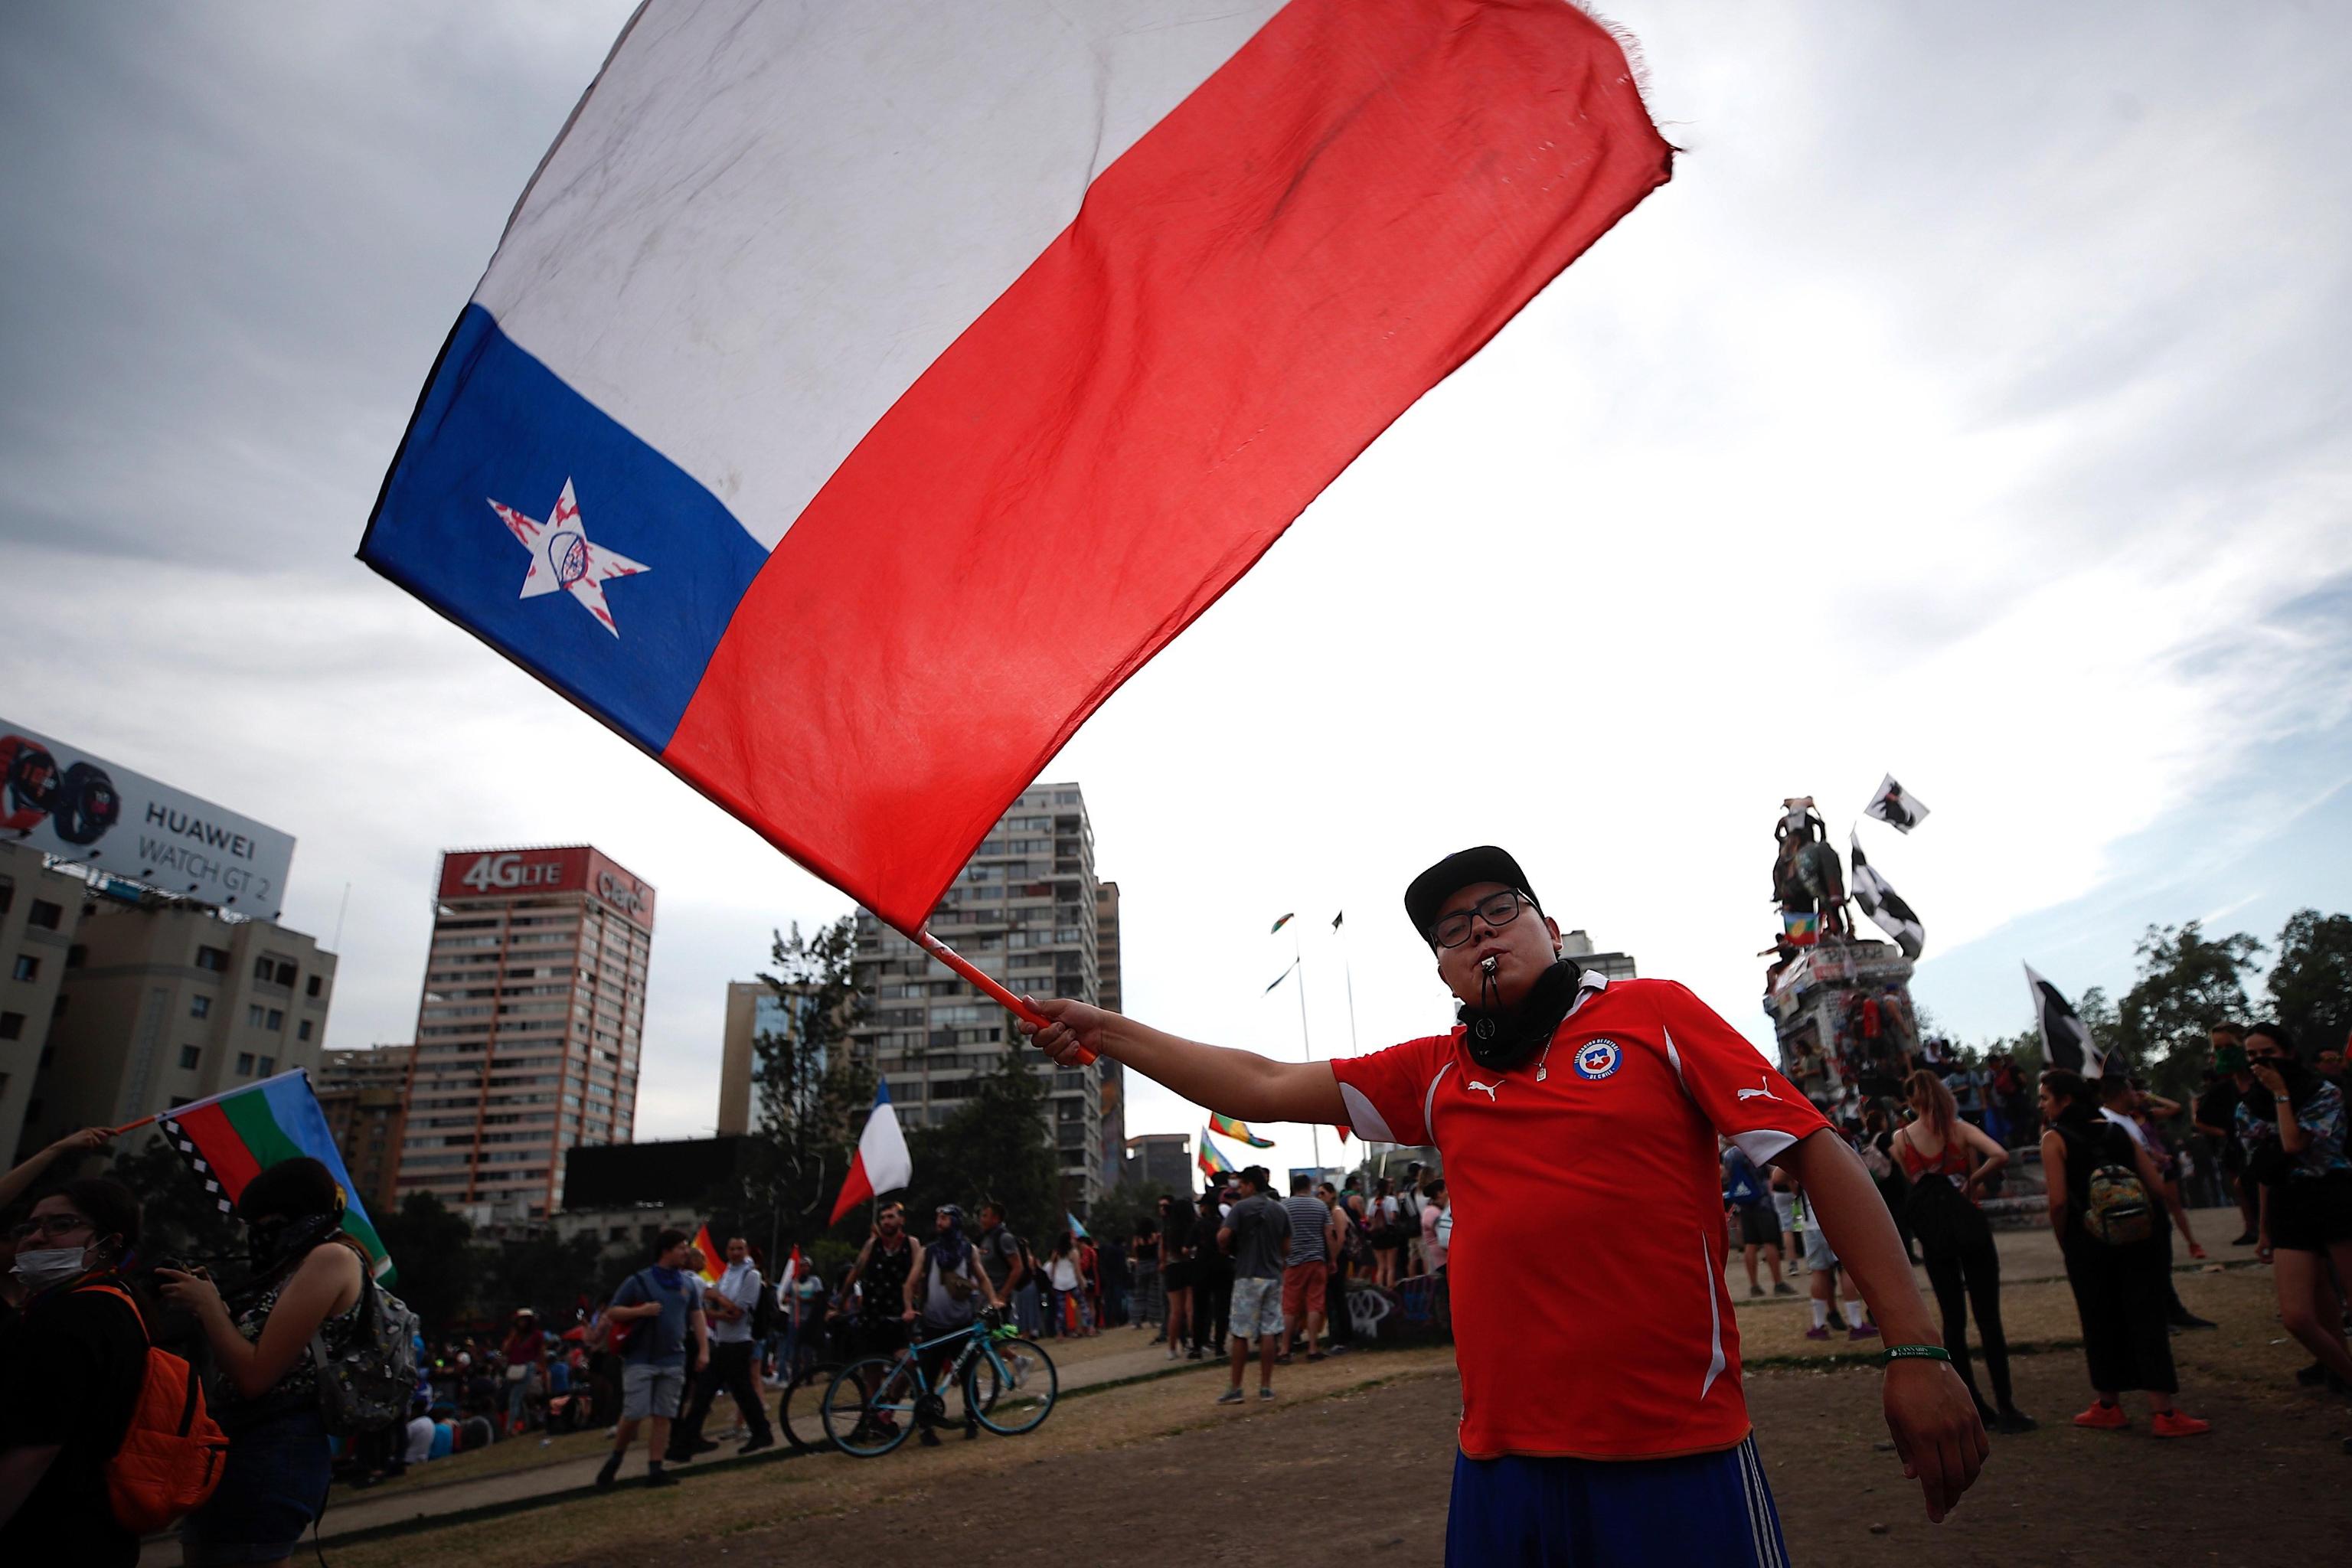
[(1429, 891)]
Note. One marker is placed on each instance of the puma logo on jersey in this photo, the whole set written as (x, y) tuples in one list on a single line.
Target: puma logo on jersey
[(1485, 1089), (1758, 1094)]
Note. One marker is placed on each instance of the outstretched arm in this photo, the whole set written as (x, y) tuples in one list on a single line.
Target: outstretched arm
[(1929, 1410), (24, 1175), (1240, 1084)]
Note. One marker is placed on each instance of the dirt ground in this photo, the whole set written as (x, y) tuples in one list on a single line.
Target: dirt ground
[(1380, 1427)]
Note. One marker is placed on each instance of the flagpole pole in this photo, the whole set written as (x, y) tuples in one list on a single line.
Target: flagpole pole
[(208, 1100), (1306, 1043), (986, 984), (1348, 968)]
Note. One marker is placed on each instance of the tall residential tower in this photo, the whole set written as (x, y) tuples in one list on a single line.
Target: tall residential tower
[(528, 1035)]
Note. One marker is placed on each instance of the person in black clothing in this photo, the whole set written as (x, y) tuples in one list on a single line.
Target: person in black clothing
[(2119, 1287), (70, 1373), (1212, 1281), (2215, 1116)]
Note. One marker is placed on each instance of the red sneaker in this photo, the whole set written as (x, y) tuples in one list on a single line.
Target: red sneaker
[(2104, 1418), (2176, 1424)]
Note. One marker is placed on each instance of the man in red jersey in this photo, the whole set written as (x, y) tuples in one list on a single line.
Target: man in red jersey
[(1590, 1435)]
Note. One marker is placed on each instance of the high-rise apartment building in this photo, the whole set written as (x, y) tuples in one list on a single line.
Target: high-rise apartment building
[(158, 1000), (39, 911), (1114, 1076), (753, 1009), (364, 1094), (1026, 910), (528, 1035)]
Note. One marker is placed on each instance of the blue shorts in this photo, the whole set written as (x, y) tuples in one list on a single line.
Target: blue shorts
[(1708, 1509)]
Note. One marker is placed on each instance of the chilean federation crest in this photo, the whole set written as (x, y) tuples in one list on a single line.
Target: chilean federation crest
[(1598, 1058)]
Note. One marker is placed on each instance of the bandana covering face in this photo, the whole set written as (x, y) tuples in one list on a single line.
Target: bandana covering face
[(1499, 1040)]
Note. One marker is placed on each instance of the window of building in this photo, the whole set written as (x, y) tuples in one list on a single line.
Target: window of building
[(26, 967), (303, 1030), (189, 1056), (245, 1063), (266, 1065), (213, 958), (77, 955), (312, 989), (45, 914), (253, 1016), (200, 1006), (7, 894), (277, 1021), (11, 1025), (286, 973)]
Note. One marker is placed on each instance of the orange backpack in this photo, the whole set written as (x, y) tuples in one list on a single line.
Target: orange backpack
[(172, 1452)]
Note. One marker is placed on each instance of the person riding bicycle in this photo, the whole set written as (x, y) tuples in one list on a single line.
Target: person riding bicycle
[(944, 1292)]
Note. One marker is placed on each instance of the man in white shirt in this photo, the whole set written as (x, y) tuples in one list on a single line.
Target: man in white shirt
[(732, 1302)]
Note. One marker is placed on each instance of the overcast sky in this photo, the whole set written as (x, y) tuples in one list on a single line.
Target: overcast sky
[(1971, 405)]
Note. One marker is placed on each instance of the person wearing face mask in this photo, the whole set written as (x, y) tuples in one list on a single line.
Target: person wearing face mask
[(2293, 1125), (1602, 1419), (71, 1372), (308, 1282), (14, 1184)]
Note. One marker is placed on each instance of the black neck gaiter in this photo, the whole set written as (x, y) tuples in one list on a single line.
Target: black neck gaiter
[(1499, 1040)]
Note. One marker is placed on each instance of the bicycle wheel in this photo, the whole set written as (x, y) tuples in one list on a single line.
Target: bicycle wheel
[(869, 1425), (1010, 1388), (798, 1415)]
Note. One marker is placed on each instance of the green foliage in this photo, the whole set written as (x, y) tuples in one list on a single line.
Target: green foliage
[(538, 1272), (993, 1147), (2311, 984), (433, 1250), (1116, 1212), (2188, 983), (178, 1216)]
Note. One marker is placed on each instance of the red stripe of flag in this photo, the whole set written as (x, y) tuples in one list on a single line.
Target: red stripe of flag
[(1330, 224), (222, 1146)]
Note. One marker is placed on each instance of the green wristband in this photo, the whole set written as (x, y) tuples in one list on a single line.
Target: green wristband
[(1918, 1352)]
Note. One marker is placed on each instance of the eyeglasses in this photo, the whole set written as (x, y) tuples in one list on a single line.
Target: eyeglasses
[(1501, 910), (51, 1224)]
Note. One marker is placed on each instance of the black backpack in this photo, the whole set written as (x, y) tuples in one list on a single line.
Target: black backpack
[(767, 1313)]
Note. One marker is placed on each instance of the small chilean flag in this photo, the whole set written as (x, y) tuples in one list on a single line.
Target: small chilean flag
[(860, 394), (881, 1164)]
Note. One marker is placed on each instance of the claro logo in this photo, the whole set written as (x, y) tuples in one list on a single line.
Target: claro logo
[(626, 896), (495, 873)]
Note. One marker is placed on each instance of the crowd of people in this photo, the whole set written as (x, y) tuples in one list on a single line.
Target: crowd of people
[(2121, 1166)]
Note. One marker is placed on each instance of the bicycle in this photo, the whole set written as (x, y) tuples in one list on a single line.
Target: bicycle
[(798, 1415), (1006, 1383)]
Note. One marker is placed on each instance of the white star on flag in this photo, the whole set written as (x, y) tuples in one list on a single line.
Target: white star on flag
[(562, 557)]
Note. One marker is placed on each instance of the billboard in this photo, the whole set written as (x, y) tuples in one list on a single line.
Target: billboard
[(574, 868), (64, 801)]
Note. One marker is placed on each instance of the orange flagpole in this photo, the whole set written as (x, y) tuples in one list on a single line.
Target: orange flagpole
[(987, 984)]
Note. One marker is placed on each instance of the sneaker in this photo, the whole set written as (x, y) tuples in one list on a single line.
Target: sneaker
[(609, 1474), (1817, 1333), (764, 1440), (2192, 1321), (2104, 1417), (1267, 1394), (1192, 1354), (2312, 1376), (930, 1439), (2246, 1240), (2011, 1422), (1780, 1288), (1230, 1397), (1282, 1360), (2174, 1423), (1171, 1353), (1867, 1331), (660, 1479), (1314, 1356), (1754, 1292)]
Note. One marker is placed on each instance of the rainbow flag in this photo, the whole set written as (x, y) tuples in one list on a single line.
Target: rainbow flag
[(714, 1256), (1211, 1159), (231, 1138), (1232, 1129)]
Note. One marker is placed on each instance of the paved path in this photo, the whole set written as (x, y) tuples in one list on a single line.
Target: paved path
[(1108, 1360)]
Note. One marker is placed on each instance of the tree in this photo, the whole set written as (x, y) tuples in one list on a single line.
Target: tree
[(542, 1272), (2188, 983), (995, 1147), (2311, 984), (812, 1093), (433, 1249)]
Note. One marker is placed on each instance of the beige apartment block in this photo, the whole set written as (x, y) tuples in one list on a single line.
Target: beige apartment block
[(41, 910), (164, 1001)]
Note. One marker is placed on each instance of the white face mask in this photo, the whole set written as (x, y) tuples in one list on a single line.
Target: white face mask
[(40, 1267)]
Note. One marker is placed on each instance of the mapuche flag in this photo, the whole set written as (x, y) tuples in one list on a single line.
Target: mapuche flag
[(2066, 1039), (861, 394), (1232, 1129), (881, 1164), (1211, 1159), (231, 1138)]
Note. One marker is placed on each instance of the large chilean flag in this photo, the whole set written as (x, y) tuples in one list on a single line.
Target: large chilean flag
[(861, 393)]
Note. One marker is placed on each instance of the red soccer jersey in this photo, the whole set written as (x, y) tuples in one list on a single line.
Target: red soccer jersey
[(1589, 1313)]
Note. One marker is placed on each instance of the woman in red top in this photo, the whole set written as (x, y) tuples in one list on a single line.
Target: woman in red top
[(1949, 1161)]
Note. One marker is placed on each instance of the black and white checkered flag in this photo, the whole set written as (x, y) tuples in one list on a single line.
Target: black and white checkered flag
[(2065, 1040), (1885, 907)]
